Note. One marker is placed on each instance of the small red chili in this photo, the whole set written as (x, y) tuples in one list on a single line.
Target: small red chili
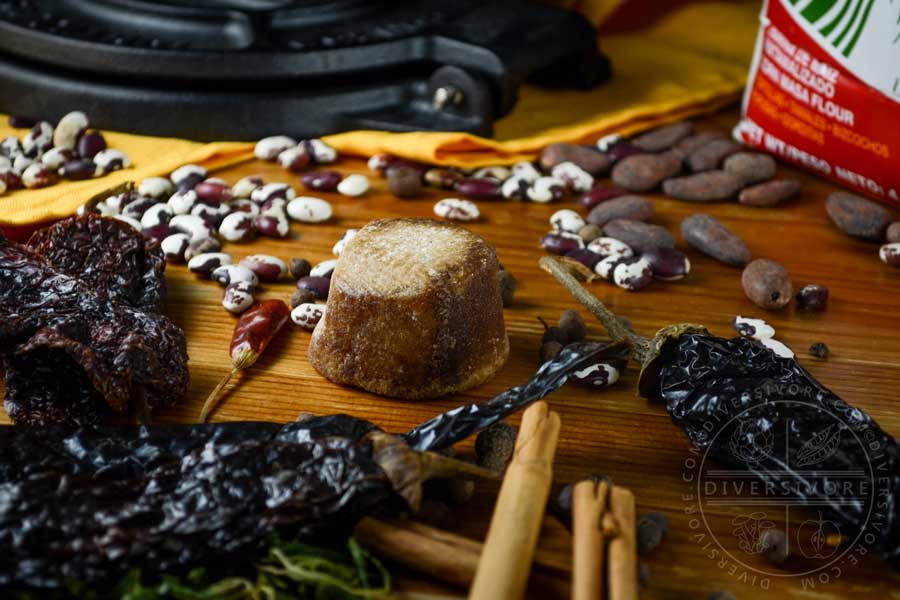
[(254, 330)]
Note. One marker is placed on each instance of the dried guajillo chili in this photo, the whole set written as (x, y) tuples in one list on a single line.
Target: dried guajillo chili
[(253, 332), (91, 504), (755, 411)]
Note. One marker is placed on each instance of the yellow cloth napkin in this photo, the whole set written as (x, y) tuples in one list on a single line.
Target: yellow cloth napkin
[(693, 60)]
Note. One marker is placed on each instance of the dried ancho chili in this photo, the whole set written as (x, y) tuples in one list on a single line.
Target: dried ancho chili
[(752, 410), (70, 351), (113, 258), (91, 504)]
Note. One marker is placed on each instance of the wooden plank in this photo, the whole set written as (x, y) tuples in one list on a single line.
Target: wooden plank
[(609, 431)]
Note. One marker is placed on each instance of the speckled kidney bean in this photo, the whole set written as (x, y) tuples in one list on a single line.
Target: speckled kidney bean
[(584, 256), (237, 297), (643, 172), (890, 254), (202, 246), (227, 274), (767, 283), (181, 203), (317, 285), (607, 265), (594, 162), (668, 264), (566, 220), (11, 147), (266, 266), (186, 177), (319, 152), (272, 225), (90, 143), (633, 274), (710, 155), (294, 159), (20, 163), (238, 227), (607, 246), (709, 236), (598, 194), (663, 138), (38, 140), (244, 205), (38, 175), (174, 246), (640, 236), (322, 181), (134, 223), (270, 147), (353, 185), (157, 214), (576, 178), (10, 179), (708, 186), (245, 186), (769, 193), (276, 207), (498, 173), (137, 207), (516, 187), (480, 189), (299, 267), (204, 264), (192, 225), (213, 192), (546, 189), (212, 214), (620, 150), (54, 158), (755, 329), (308, 315), (110, 160), (561, 242), (271, 191), (69, 128), (324, 268), (857, 216), (158, 188), (78, 169), (635, 208), (596, 375), (442, 178), (378, 163), (812, 296), (338, 247), (528, 172)]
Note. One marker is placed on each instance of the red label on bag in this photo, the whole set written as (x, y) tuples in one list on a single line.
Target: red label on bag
[(807, 102)]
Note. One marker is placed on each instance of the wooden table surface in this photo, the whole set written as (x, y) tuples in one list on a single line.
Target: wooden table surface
[(609, 431)]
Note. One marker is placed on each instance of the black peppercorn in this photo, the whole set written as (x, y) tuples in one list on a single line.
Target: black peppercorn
[(494, 446), (572, 325), (299, 267), (819, 350)]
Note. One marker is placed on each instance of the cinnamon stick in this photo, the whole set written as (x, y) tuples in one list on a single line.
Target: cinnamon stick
[(588, 506), (444, 555), (512, 536), (622, 564)]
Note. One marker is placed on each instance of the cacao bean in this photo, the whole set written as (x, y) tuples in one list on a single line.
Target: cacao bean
[(706, 234), (643, 172), (708, 186), (710, 156), (663, 138), (750, 167), (769, 193), (639, 236), (635, 208), (693, 142), (892, 235), (857, 216), (767, 284), (595, 163)]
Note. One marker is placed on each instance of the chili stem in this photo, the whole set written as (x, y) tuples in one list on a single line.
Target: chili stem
[(213, 399), (608, 319)]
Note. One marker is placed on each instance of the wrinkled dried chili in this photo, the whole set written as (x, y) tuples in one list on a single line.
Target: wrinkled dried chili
[(91, 504), (70, 352), (753, 410)]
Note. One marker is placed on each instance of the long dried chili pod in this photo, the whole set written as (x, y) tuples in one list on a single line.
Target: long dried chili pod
[(252, 334), (757, 412)]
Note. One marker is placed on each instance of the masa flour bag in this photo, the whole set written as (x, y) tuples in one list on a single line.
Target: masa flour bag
[(824, 90)]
